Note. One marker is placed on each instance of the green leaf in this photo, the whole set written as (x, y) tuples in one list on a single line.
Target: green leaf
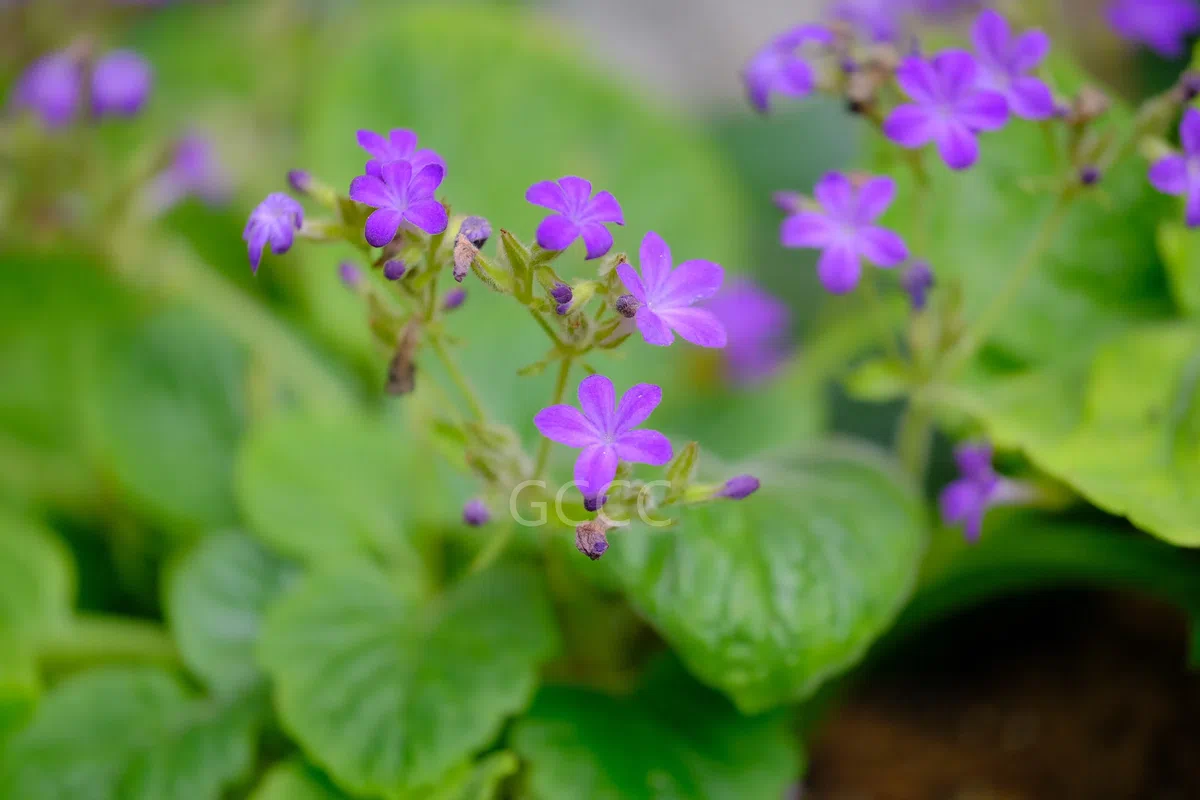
[(295, 780), (1123, 429), (389, 694), (129, 734), (768, 597), (478, 781), (170, 411), (1179, 247), (37, 581), (673, 740), (880, 380), (216, 599)]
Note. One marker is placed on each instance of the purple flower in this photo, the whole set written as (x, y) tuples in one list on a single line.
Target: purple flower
[(562, 295), (778, 68), (1162, 25), (453, 299), (757, 324), (1180, 173), (844, 229), (400, 145), (665, 296), (51, 88), (274, 221), (739, 487), (300, 180), (400, 195), (120, 84), (578, 214), (606, 432), (950, 108), (194, 170), (475, 513), (965, 501), (1004, 59), (875, 20)]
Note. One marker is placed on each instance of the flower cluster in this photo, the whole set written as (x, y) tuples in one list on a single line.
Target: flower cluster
[(53, 87)]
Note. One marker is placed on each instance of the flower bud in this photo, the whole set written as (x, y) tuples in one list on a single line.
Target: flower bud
[(739, 488), (300, 180), (1089, 104), (1089, 175), (590, 539), (454, 299), (916, 281), (464, 254), (1189, 85), (594, 503), (121, 83), (394, 269), (561, 293), (627, 306), (477, 231), (788, 202), (350, 274), (475, 513)]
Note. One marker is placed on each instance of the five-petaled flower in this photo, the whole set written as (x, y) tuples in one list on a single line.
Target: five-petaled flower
[(605, 432), (778, 68), (400, 195), (950, 107), (577, 214), (1003, 61), (274, 221), (1162, 25), (965, 500), (665, 296), (120, 84), (845, 230), (399, 145), (757, 324), (1180, 173)]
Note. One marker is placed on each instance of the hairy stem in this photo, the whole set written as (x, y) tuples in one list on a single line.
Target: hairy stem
[(460, 380), (560, 388)]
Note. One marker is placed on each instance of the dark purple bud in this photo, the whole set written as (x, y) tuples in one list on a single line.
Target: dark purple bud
[(475, 513), (454, 299), (394, 269), (477, 230), (120, 84), (916, 281), (627, 306), (788, 202), (350, 274), (464, 254), (299, 180), (849, 65), (561, 293), (1189, 85), (739, 488), (590, 539), (1089, 175), (594, 503)]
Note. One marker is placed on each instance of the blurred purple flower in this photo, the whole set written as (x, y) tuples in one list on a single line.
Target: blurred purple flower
[(51, 87), (193, 171), (399, 145), (757, 325), (739, 487), (916, 281), (665, 296), (844, 229), (778, 68), (577, 214), (965, 501), (874, 20), (453, 299), (274, 221), (1004, 59), (950, 107), (350, 275), (121, 82), (1162, 25), (605, 431), (400, 195), (788, 202), (1179, 174), (475, 513)]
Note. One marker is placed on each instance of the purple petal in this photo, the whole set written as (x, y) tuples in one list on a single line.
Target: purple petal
[(873, 199), (547, 194), (425, 182), (605, 208), (910, 126), (794, 37), (374, 167), (656, 262), (595, 469), (1192, 211), (599, 401), (397, 175), (404, 142), (958, 72), (1189, 132), (371, 191), (1170, 174), (918, 79), (636, 406), (644, 447), (382, 226), (882, 247), (256, 240), (696, 325), (597, 238), (836, 195), (653, 329), (796, 78), (577, 191), (566, 425), (990, 35), (983, 111), (430, 216), (963, 502), (1030, 98), (758, 77), (690, 282), (839, 268), (281, 239), (1028, 50), (374, 144), (423, 158), (957, 145), (807, 229), (974, 461), (633, 283), (556, 232)]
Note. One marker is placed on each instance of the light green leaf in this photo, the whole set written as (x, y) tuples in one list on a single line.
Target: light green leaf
[(129, 734), (768, 597), (389, 694), (170, 411), (673, 740), (1179, 247), (880, 380), (478, 781), (216, 598), (37, 580), (295, 780)]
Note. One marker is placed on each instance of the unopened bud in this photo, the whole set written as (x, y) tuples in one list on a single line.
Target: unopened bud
[(739, 488), (1089, 175), (916, 281), (464, 254), (454, 299), (1089, 104), (561, 293), (299, 180), (788, 202), (350, 274), (627, 306), (590, 539), (475, 513), (394, 269), (594, 503), (477, 230)]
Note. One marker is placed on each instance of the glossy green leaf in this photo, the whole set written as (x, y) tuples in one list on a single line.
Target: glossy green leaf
[(129, 734), (673, 740), (216, 599), (768, 597), (389, 694), (170, 411)]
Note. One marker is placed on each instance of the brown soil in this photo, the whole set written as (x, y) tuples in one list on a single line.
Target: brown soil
[(1051, 697)]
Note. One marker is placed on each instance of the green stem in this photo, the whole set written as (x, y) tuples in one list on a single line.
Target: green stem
[(545, 326), (492, 550), (875, 309), (560, 388), (92, 639), (914, 436), (460, 380)]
